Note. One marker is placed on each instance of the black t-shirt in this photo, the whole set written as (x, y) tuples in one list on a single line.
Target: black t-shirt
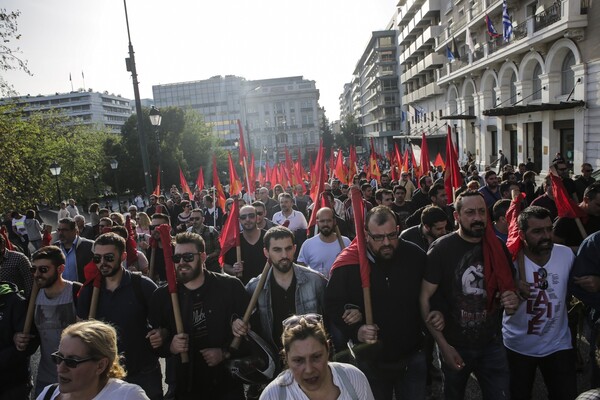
[(252, 255), (457, 267), (403, 211), (283, 306), (566, 229)]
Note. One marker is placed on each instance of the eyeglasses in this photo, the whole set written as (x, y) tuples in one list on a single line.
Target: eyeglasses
[(41, 270), (69, 362), (542, 284), (152, 227), (187, 257), (294, 320), (196, 219), (245, 216), (259, 213), (381, 238), (107, 257)]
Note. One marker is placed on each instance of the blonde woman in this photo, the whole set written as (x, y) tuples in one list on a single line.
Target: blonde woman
[(88, 366)]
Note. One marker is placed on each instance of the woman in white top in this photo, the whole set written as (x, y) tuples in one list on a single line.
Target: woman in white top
[(310, 375), (88, 366)]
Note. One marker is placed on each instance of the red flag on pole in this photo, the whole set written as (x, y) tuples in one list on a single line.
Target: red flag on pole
[(425, 164), (514, 243), (230, 237), (374, 172), (319, 174), (452, 177), (157, 188), (565, 205), (183, 183), (439, 161), (220, 196), (243, 153), (235, 186), (340, 168), (267, 173), (200, 180), (405, 161), (352, 160)]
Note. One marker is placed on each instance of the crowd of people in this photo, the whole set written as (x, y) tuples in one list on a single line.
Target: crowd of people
[(288, 313)]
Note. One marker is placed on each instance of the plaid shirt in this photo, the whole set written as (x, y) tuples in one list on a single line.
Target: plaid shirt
[(14, 267)]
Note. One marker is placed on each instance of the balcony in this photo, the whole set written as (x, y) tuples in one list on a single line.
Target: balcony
[(428, 8), (547, 17), (431, 61), (425, 41), (431, 89)]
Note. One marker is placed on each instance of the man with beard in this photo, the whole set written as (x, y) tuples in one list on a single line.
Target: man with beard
[(491, 191), (124, 302), (396, 269), (261, 216), (471, 341), (211, 239), (208, 303), (158, 219), (537, 335), (319, 252), (77, 250), (290, 289), (402, 207), (54, 311), (433, 226), (420, 197), (251, 244)]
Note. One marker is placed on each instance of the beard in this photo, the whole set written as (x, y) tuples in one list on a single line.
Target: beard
[(541, 247), (111, 272), (284, 265), (47, 282), (475, 230), (185, 277), (326, 231), (384, 253)]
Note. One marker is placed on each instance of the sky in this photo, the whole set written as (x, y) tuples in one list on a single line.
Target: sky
[(180, 41)]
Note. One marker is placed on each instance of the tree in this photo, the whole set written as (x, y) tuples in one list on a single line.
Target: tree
[(326, 134), (9, 55), (350, 132)]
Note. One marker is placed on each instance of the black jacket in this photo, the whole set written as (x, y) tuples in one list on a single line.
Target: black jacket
[(83, 254)]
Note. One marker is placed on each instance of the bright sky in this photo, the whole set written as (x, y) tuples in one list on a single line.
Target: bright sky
[(185, 40)]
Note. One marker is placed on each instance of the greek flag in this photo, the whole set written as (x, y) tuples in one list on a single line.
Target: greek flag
[(506, 23)]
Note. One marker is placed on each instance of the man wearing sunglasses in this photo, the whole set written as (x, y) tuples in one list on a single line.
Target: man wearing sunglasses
[(124, 302), (537, 335), (396, 268), (251, 244), (211, 239), (208, 303), (261, 216), (54, 311)]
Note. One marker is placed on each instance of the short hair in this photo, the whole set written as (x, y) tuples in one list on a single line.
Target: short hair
[(505, 185), (100, 339), (193, 238), (585, 164), (365, 186), (529, 175), (285, 195), (208, 198), (198, 210), (103, 211), (458, 204), (258, 203), (380, 192), (380, 215), (164, 217), (506, 175), (278, 232), (592, 191), (68, 221), (111, 239), (432, 214), (52, 253), (30, 214), (184, 203), (399, 187), (435, 189), (119, 217), (536, 212), (120, 230), (302, 330), (500, 208), (423, 179), (133, 207), (107, 220), (488, 174), (79, 217)]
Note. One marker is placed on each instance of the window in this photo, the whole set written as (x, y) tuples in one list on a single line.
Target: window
[(513, 89), (536, 87), (567, 76)]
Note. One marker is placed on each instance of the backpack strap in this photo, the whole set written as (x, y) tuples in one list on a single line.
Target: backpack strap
[(51, 391), (345, 380)]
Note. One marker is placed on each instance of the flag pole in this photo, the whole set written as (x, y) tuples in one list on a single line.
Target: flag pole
[(31, 308)]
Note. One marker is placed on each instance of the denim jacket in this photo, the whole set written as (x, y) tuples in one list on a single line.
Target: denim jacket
[(310, 293)]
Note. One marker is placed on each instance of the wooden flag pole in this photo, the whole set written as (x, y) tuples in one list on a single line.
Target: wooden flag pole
[(31, 308)]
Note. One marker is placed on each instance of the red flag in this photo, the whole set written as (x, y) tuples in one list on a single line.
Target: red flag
[(220, 194), (130, 243), (439, 161), (452, 177), (267, 173), (200, 180), (565, 205), (514, 243), (235, 186), (425, 165), (301, 170), (416, 170), (319, 173), (4, 234), (405, 161), (230, 237), (289, 166), (157, 188), (243, 153), (340, 168), (273, 178), (165, 238), (496, 268), (374, 172), (352, 160), (184, 185), (398, 155)]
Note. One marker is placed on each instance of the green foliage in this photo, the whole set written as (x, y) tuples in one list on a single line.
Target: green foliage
[(9, 54), (326, 135), (350, 133)]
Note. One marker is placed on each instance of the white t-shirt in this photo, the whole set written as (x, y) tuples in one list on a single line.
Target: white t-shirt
[(319, 255), (357, 379), (114, 389), (296, 218), (540, 327)]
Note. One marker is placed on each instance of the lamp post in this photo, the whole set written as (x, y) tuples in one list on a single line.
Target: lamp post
[(155, 120), (114, 164), (55, 171)]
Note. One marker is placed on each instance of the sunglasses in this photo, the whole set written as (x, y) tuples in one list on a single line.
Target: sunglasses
[(69, 362), (542, 284), (41, 270), (97, 258), (246, 216), (381, 238), (294, 320), (187, 257)]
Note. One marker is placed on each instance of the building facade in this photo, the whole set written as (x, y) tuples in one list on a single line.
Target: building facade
[(102, 110)]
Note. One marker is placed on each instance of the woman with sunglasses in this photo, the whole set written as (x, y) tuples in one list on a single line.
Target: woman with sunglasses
[(88, 366), (310, 375)]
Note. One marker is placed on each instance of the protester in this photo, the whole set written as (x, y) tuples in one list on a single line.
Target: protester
[(310, 374), (77, 250), (211, 239), (14, 268), (34, 229), (432, 227), (88, 365)]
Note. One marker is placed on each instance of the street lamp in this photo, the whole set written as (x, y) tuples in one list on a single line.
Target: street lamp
[(55, 171), (114, 164), (155, 120)]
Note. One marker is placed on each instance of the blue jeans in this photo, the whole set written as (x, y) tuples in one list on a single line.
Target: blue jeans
[(490, 366), (405, 379)]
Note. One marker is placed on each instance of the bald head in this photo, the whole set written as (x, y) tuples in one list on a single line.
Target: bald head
[(325, 221)]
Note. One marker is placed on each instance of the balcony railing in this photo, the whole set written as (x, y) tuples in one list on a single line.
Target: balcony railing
[(547, 17), (520, 31)]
